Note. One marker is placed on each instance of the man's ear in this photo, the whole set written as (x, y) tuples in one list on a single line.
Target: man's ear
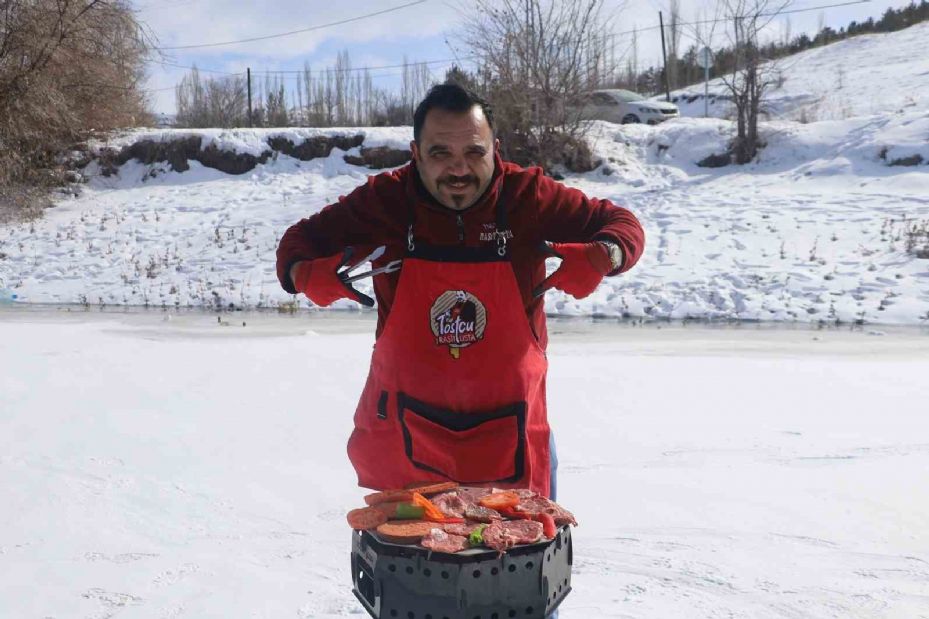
[(496, 144), (415, 149)]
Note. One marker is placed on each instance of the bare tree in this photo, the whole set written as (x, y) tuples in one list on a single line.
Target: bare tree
[(341, 74), (326, 96), (309, 90), (674, 43), (787, 32), (227, 100), (632, 64), (275, 102), (190, 100), (751, 76), (415, 82), (539, 60), (67, 68)]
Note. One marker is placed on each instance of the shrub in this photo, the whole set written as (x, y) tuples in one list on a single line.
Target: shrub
[(68, 68)]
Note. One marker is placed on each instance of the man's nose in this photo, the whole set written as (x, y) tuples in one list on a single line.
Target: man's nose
[(458, 166)]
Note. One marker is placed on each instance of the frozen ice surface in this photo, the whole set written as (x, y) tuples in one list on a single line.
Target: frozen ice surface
[(172, 465)]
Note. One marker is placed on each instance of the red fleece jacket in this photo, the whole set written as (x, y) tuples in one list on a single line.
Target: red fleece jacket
[(538, 209)]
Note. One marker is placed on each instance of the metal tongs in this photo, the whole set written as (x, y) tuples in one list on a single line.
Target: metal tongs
[(347, 279), (390, 267)]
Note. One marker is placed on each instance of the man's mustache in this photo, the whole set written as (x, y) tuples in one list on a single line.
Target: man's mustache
[(468, 178)]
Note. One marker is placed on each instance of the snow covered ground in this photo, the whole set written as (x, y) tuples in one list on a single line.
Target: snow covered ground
[(155, 467), (816, 230), (183, 465)]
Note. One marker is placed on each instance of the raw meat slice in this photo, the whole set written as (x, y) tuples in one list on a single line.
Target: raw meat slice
[(472, 494), (481, 513), (505, 534), (450, 504), (459, 528), (440, 541), (540, 505)]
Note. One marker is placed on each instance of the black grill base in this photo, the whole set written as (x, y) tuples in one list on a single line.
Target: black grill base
[(395, 581)]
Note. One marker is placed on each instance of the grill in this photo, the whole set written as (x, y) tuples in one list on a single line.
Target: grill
[(397, 581)]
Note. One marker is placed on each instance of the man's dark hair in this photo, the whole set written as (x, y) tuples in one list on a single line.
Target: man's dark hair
[(452, 98)]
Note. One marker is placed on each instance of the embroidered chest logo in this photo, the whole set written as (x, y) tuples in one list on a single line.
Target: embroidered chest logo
[(489, 233), (458, 319)]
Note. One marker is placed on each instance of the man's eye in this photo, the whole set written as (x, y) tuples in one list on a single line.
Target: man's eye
[(476, 153), (440, 154)]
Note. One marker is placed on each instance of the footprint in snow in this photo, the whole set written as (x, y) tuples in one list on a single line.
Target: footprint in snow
[(111, 599)]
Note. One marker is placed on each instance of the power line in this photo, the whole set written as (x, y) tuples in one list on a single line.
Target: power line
[(323, 70), (164, 5), (302, 30), (161, 89), (720, 20), (450, 60), (182, 66), (779, 13), (693, 37), (155, 5), (386, 66)]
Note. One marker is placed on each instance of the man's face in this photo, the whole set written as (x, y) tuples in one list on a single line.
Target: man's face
[(455, 156)]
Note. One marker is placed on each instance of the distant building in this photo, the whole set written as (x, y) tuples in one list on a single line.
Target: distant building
[(163, 121)]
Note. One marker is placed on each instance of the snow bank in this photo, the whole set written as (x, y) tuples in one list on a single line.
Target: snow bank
[(257, 141), (815, 230)]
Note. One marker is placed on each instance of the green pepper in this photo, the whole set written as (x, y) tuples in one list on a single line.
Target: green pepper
[(476, 538), (408, 511)]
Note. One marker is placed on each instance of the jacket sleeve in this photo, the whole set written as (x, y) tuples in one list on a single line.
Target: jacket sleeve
[(356, 219), (567, 215)]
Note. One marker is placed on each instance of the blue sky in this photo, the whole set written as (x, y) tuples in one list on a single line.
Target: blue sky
[(422, 32)]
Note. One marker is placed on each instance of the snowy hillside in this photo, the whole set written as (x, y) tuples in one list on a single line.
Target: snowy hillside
[(860, 76), (829, 224)]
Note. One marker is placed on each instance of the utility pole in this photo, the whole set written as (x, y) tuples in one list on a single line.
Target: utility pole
[(248, 72), (664, 59)]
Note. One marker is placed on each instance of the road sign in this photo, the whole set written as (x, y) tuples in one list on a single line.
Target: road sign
[(705, 58)]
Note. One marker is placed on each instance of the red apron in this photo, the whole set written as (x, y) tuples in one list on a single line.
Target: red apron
[(456, 389)]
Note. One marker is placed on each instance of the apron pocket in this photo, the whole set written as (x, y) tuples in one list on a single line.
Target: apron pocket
[(468, 448)]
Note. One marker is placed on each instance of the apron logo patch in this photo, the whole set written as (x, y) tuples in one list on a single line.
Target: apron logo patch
[(458, 319)]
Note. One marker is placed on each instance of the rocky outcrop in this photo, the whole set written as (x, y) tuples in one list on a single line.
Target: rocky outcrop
[(179, 152), (318, 146), (379, 157)]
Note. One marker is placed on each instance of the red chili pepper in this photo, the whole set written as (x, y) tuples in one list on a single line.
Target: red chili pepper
[(511, 513), (549, 529)]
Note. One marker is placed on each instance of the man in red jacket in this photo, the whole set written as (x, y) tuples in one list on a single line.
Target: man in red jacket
[(456, 389)]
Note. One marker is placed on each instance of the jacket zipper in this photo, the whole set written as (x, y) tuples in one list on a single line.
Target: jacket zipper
[(461, 229)]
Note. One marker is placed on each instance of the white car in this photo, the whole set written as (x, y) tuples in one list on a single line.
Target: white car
[(625, 106)]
